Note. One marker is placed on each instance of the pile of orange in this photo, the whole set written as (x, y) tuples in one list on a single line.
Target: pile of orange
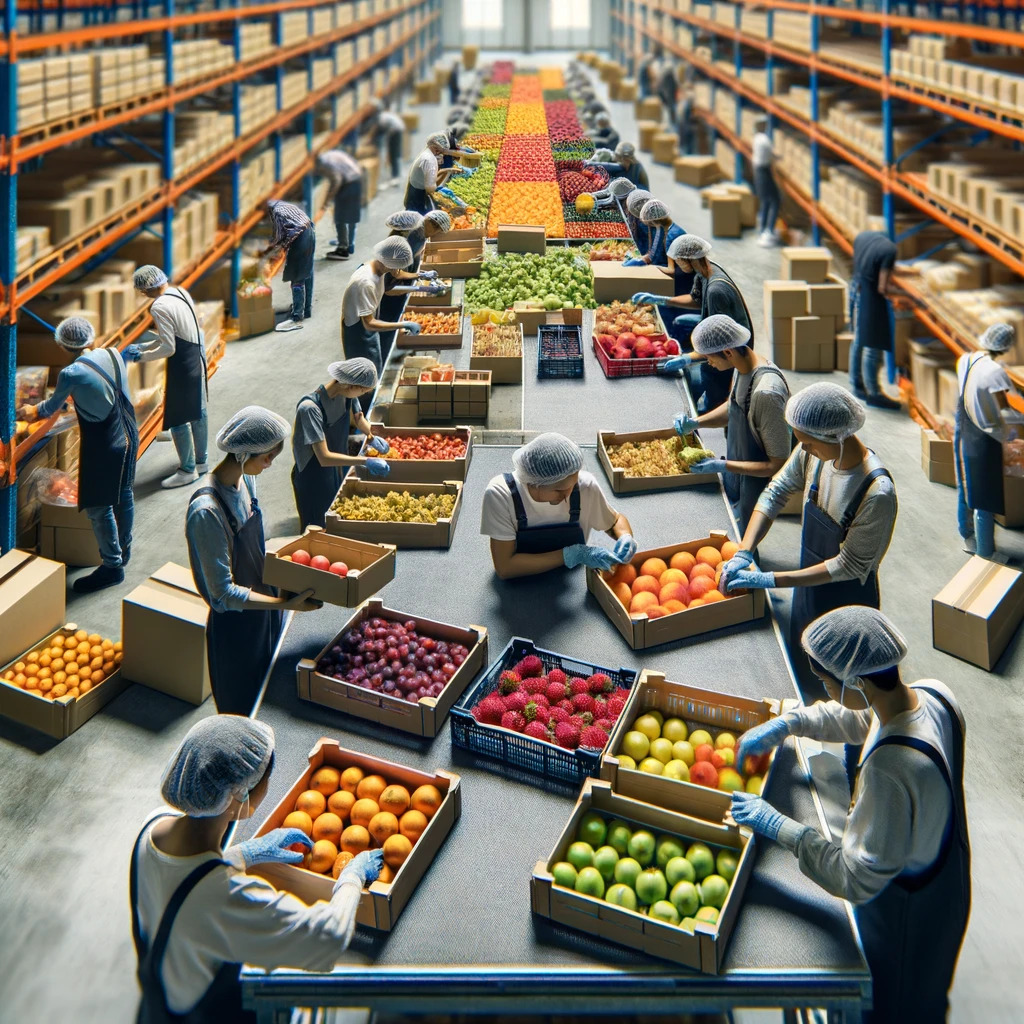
[(345, 811), (66, 665), (526, 119), (526, 202), (657, 588), (436, 323)]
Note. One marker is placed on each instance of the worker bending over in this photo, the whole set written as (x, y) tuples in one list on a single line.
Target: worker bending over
[(874, 256), (295, 237), (426, 177), (624, 164)]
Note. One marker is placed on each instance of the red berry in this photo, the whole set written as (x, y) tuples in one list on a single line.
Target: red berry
[(538, 730), (567, 735), (513, 720), (579, 686), (558, 715), (555, 691), (593, 737), (583, 702), (556, 675), (516, 701)]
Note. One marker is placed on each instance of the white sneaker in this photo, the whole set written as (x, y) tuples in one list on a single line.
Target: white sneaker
[(202, 468), (179, 479), (765, 240), (289, 325)]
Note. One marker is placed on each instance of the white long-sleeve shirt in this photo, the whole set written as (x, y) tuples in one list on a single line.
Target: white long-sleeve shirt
[(901, 804), (174, 319), (232, 917)]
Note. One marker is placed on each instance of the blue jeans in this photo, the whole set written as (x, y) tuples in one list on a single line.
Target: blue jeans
[(973, 522), (768, 196), (865, 368), (112, 525), (190, 442), (302, 299)]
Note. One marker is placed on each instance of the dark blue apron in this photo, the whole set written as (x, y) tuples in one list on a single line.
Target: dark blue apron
[(357, 341), (872, 320), (538, 540), (222, 1001), (913, 929), (240, 645), (417, 199), (715, 384), (315, 486), (298, 263), (109, 447), (186, 376), (979, 459), (638, 230), (392, 309)]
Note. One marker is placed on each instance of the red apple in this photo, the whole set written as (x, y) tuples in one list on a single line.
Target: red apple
[(672, 347), (301, 557), (320, 562), (643, 349), (339, 568), (627, 340)]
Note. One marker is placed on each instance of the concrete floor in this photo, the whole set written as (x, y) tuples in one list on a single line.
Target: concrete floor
[(70, 811)]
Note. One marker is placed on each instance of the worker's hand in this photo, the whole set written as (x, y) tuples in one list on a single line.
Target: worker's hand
[(709, 466), (684, 424), (304, 602), (379, 444), (378, 467), (636, 261), (132, 354), (760, 740), (589, 555), (28, 413), (757, 814), (363, 868), (427, 275), (751, 578), (648, 299), (411, 326), (625, 548), (741, 560), (273, 847), (674, 363)]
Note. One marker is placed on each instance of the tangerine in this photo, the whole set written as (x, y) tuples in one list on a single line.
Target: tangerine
[(371, 787), (351, 777), (395, 799), (674, 606), (323, 856), (412, 825), (300, 820), (641, 602), (312, 801), (327, 826), (325, 780), (672, 576), (653, 567), (709, 555), (383, 825), (387, 876), (624, 573), (355, 839), (702, 569), (84, 686), (396, 849), (340, 803), (340, 861), (59, 689), (729, 548), (623, 593), (81, 635), (426, 800), (648, 584), (683, 560), (363, 811)]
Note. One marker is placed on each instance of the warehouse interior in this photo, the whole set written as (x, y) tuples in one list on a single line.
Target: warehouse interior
[(153, 133)]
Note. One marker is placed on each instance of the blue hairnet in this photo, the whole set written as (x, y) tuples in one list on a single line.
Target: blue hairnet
[(854, 641), (547, 459), (74, 333)]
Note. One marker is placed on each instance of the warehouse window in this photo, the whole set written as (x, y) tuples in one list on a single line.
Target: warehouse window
[(569, 14), (482, 13)]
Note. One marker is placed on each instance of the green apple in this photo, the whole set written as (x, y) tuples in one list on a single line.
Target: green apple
[(627, 870), (709, 914), (667, 848), (580, 855), (652, 766), (621, 896), (564, 874), (641, 847), (650, 886), (664, 911), (677, 769), (605, 859), (699, 856), (726, 862), (655, 713), (713, 891), (687, 924), (699, 737), (730, 780), (685, 898), (648, 725), (625, 761), (636, 744), (590, 883), (679, 869), (618, 836), (755, 784), (661, 748), (724, 739), (674, 729), (592, 829), (682, 750)]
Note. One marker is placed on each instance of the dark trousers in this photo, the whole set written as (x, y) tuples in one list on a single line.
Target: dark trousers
[(347, 210), (395, 153), (302, 299), (768, 198)]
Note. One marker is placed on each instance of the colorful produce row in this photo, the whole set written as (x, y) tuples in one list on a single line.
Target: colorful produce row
[(425, 446), (66, 665), (560, 278), (658, 588), (395, 507), (526, 202), (663, 456)]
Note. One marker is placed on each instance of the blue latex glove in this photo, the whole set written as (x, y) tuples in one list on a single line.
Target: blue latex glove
[(132, 354), (378, 467), (636, 261), (760, 739), (411, 326), (752, 578), (625, 548), (674, 363), (757, 814), (379, 444), (363, 867), (683, 320), (684, 423), (648, 299), (589, 555), (709, 466), (273, 847), (428, 275), (741, 560)]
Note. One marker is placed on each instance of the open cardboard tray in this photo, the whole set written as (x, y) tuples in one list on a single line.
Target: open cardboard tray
[(426, 716), (504, 369), (630, 367), (639, 631), (454, 259), (406, 340), (704, 950), (723, 712), (436, 298), (622, 484), (381, 903), (61, 716), (403, 535), (424, 471), (370, 567)]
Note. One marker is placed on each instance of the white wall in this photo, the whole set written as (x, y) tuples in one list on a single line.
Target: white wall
[(526, 27)]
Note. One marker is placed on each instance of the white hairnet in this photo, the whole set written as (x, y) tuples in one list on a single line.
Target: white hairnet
[(825, 411), (252, 431), (404, 220), (438, 139), (689, 247), (718, 332), (603, 156), (74, 333), (626, 149), (221, 757), (440, 218), (621, 187), (603, 117), (854, 641), (394, 252), (636, 199), (997, 338), (358, 373), (653, 209), (547, 459), (148, 277)]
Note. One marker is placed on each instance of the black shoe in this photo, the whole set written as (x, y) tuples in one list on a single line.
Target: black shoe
[(881, 401), (860, 393), (99, 579), (126, 554), (338, 254)]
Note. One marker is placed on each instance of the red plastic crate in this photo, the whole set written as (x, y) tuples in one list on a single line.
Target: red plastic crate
[(624, 367)]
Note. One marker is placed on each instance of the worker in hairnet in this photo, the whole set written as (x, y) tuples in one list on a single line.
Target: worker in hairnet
[(97, 383), (874, 256), (624, 164), (323, 420), (638, 230), (426, 176), (387, 130), (345, 190), (848, 515), (620, 190), (224, 530), (539, 517), (294, 236), (454, 148), (903, 858), (198, 913), (984, 421), (758, 440), (662, 231), (180, 341), (604, 135)]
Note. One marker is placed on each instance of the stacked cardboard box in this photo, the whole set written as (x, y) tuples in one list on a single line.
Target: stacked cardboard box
[(987, 183), (733, 206), (33, 244), (852, 200), (194, 230), (257, 104), (256, 39), (926, 365), (794, 159)]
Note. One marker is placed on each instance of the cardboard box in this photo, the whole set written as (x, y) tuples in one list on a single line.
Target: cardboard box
[(614, 281), (844, 339), (937, 458), (784, 299), (1013, 503), (725, 216), (705, 709), (407, 341), (623, 484), (976, 614), (255, 314), (530, 319), (813, 343), (462, 260), (648, 109), (403, 535), (437, 298), (32, 600), (696, 170), (503, 369), (423, 717), (426, 471), (65, 535), (521, 238), (704, 948), (810, 264), (639, 631), (381, 904), (163, 628), (827, 299), (665, 147)]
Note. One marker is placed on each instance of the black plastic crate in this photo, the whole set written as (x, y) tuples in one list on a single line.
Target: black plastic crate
[(514, 750), (559, 351)]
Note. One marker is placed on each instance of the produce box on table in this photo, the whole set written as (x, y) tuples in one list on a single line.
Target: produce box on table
[(498, 348), (381, 512), (559, 351), (333, 771), (691, 878), (454, 259), (694, 747), (678, 605), (526, 682), (441, 328), (420, 456), (651, 460), (435, 298), (615, 281), (438, 662), (630, 341), (354, 569)]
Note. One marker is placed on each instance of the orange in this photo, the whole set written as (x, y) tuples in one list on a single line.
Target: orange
[(624, 574), (19, 667), (683, 560), (351, 777), (22, 680), (653, 567), (339, 862), (362, 811), (56, 664), (59, 690), (700, 586), (709, 555), (327, 826), (656, 612), (674, 606), (84, 686), (702, 569), (325, 780), (70, 643), (696, 601), (371, 787), (31, 670), (81, 635), (387, 876), (672, 576), (312, 802), (45, 660), (729, 548), (118, 645), (713, 595), (426, 800), (382, 826), (673, 592), (94, 638), (340, 803), (641, 602), (300, 820), (323, 856), (32, 658), (395, 799), (73, 692), (355, 839), (96, 651), (623, 593), (45, 685), (412, 825), (648, 584), (396, 849), (106, 645)]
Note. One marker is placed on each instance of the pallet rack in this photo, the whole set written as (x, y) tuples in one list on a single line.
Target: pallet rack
[(678, 30), (43, 27)]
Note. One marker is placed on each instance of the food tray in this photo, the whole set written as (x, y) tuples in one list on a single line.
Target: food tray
[(559, 351), (421, 471), (428, 342), (622, 484), (630, 367)]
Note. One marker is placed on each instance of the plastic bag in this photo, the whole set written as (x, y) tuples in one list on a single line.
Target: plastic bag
[(52, 487), (30, 384)]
